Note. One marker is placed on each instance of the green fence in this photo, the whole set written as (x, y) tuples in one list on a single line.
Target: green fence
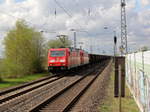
[(138, 78)]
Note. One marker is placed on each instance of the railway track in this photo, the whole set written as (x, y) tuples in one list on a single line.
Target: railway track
[(20, 90), (64, 99), (11, 93), (3, 92), (43, 96)]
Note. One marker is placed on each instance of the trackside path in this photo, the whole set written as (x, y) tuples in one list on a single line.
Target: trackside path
[(111, 104)]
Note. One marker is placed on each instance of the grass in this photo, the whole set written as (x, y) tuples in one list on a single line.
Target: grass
[(111, 104), (9, 82)]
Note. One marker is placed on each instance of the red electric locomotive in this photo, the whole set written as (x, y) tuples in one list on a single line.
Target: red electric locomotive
[(66, 58)]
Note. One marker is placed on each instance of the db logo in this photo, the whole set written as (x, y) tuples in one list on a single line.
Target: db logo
[(57, 59)]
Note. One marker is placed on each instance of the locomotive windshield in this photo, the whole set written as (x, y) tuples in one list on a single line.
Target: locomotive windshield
[(57, 53)]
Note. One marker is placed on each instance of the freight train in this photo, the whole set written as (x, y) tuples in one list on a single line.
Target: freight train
[(66, 58)]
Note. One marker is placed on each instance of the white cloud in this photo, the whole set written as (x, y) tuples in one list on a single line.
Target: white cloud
[(145, 2), (40, 14)]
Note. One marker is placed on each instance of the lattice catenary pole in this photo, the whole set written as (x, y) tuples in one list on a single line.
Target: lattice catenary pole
[(124, 49)]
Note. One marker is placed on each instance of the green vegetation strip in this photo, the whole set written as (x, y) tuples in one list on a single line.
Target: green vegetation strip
[(111, 104), (10, 82)]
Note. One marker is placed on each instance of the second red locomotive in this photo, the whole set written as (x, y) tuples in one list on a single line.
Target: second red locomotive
[(66, 58)]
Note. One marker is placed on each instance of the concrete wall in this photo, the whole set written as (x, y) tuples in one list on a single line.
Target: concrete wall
[(138, 78)]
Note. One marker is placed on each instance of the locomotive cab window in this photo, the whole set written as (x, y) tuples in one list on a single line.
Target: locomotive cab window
[(57, 53)]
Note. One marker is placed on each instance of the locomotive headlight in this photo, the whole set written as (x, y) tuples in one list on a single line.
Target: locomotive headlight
[(62, 60), (52, 61)]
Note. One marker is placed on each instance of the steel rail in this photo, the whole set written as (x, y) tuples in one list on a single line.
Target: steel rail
[(90, 80), (26, 89), (3, 92)]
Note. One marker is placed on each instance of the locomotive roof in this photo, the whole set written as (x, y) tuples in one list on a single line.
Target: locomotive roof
[(72, 49)]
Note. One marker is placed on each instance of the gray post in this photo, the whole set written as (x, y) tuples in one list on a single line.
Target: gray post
[(75, 39), (80, 47), (120, 85)]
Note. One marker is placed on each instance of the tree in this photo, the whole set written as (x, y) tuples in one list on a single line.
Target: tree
[(23, 50), (61, 42), (144, 48), (1, 69)]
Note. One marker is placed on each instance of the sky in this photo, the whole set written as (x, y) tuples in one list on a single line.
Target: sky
[(88, 17)]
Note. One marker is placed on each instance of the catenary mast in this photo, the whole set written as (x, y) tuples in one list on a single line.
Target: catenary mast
[(124, 48)]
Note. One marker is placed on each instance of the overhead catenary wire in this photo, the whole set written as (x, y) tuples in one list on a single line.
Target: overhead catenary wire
[(68, 13), (83, 10), (59, 5), (88, 11)]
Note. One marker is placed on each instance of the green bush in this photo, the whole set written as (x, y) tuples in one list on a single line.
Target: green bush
[(23, 51)]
